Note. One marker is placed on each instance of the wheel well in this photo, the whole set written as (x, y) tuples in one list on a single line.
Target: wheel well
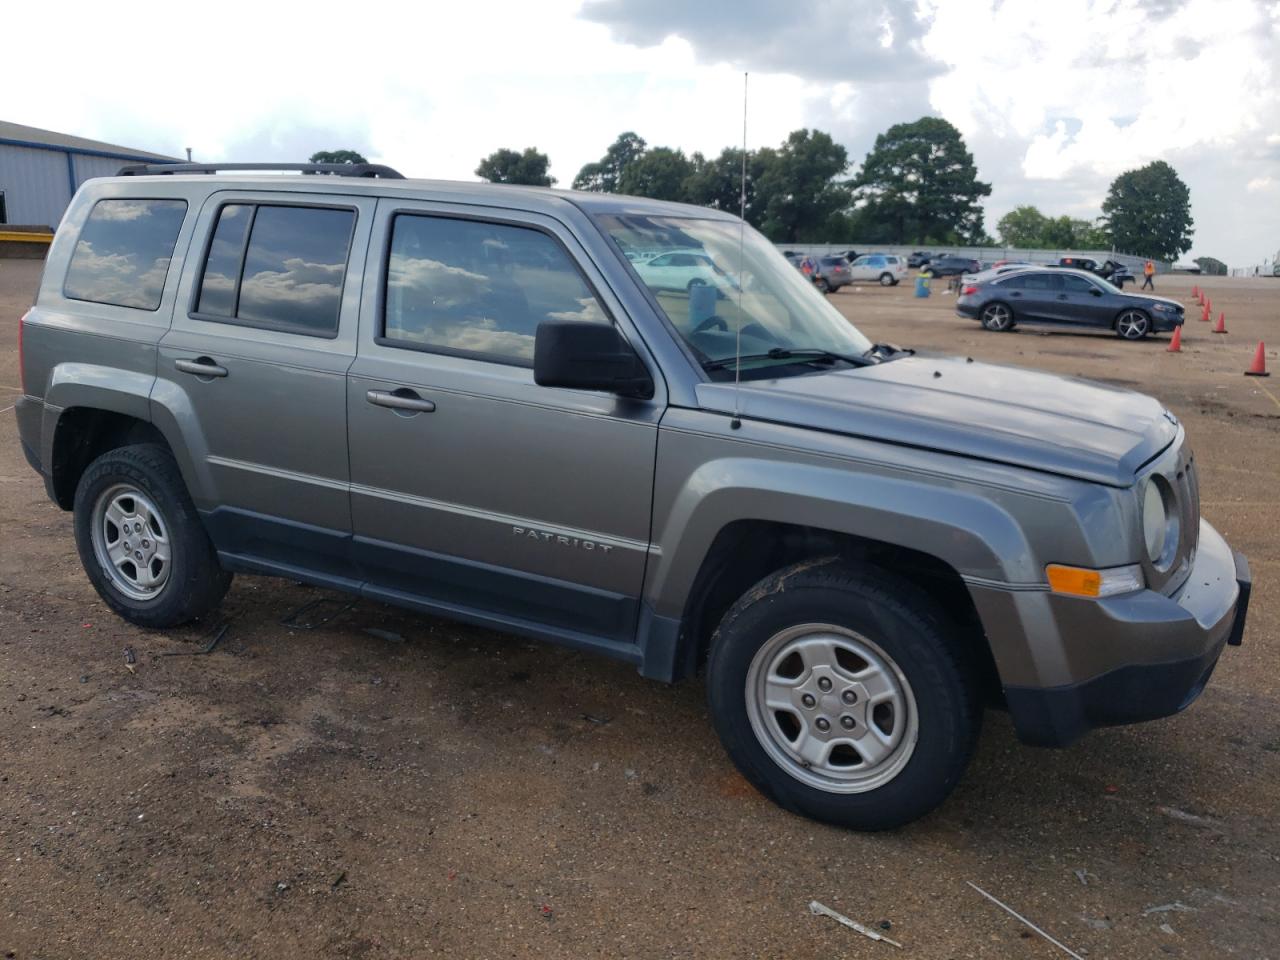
[(747, 551), (83, 434)]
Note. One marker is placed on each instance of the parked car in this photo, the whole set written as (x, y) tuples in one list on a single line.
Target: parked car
[(953, 266), (1111, 270), (833, 273), (684, 270), (885, 270), (918, 259), (1065, 297), (499, 418)]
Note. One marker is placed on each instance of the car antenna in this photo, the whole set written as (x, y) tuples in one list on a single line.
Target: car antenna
[(736, 422)]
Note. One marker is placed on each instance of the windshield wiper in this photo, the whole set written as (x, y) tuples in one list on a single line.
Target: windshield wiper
[(784, 353), (887, 351)]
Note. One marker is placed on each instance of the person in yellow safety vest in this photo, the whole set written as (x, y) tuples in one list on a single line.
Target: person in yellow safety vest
[(1148, 274)]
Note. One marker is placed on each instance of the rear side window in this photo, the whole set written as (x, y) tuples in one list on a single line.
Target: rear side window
[(277, 267), (1074, 284), (479, 289), (1033, 281), (122, 256)]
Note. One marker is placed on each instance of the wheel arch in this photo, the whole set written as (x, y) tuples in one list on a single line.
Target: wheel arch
[(81, 434)]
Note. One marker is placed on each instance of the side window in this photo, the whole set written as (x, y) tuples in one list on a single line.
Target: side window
[(1074, 284), (876, 262), (478, 289), (1041, 281), (278, 267), (123, 253), (661, 261)]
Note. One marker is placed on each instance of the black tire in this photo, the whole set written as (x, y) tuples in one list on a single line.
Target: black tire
[(822, 285), (887, 280), (917, 640), (195, 583), (997, 317)]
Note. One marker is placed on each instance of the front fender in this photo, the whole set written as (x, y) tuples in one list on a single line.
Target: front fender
[(966, 530)]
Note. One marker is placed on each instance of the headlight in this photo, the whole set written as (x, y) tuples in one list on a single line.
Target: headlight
[(1162, 306), (1159, 522)]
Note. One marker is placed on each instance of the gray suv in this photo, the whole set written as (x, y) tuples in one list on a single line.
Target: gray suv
[(464, 399)]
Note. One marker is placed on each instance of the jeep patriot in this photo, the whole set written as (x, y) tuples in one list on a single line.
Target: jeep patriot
[(465, 399)]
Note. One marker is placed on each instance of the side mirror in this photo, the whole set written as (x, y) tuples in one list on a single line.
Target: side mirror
[(588, 356), (1095, 291)]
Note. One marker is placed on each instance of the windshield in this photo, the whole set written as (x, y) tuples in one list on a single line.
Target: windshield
[(721, 283)]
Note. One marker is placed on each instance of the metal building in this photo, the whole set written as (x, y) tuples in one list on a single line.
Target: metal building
[(40, 170)]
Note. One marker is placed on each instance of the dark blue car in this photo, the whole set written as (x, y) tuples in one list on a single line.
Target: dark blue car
[(1064, 297)]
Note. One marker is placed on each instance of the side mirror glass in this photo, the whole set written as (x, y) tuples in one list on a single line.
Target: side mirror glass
[(1096, 292), (588, 356)]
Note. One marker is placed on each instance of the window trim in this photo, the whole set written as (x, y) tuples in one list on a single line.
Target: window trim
[(380, 327), (198, 282), (186, 209)]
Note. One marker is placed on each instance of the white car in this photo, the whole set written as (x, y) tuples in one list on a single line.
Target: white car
[(683, 270), (882, 268)]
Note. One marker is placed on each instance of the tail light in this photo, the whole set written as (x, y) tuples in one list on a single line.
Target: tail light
[(969, 290), (22, 367)]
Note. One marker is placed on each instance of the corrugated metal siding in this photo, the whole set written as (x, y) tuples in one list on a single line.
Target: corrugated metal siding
[(35, 184), (89, 167)]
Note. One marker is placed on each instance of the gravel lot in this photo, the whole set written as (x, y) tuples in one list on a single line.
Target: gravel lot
[(433, 789)]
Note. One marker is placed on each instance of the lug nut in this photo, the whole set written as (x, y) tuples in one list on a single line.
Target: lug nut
[(823, 724), (808, 700), (138, 554), (847, 722), (146, 544), (824, 683), (848, 696)]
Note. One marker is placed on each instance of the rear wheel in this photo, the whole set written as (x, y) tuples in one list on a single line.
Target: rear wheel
[(1133, 325), (142, 543), (997, 317), (822, 284), (840, 694), (887, 280)]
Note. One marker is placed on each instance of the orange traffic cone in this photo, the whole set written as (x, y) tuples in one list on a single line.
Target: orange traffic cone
[(1259, 366), (1204, 313), (1221, 325), (1208, 304), (1175, 345), (1195, 292)]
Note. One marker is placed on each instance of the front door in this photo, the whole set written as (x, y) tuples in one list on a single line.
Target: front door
[(475, 491), (255, 366), (1083, 302)]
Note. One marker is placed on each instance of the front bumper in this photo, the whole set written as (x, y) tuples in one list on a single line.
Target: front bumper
[(1138, 657), (1165, 321)]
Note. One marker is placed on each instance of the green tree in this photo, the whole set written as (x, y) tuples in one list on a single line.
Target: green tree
[(1022, 227), (337, 156), (660, 173), (1211, 266), (603, 175), (510, 166), (919, 181), (717, 182), (796, 191), (1148, 212)]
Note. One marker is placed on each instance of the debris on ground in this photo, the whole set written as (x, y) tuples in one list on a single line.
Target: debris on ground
[(202, 651), (339, 880), (821, 910), (1023, 920), (389, 635), (316, 612), (594, 719), (1083, 876), (1176, 907), (1174, 813), (130, 658), (1165, 928)]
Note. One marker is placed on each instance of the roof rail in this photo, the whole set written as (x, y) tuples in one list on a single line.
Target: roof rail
[(337, 169)]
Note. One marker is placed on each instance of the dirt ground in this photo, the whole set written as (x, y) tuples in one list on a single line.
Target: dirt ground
[(433, 789)]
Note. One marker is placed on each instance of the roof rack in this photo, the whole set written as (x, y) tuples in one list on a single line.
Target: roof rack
[(336, 169)]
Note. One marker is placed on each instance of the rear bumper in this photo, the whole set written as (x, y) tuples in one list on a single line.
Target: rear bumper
[(1138, 657), (968, 311)]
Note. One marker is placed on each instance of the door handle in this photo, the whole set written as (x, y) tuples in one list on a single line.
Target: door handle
[(201, 367), (400, 400)]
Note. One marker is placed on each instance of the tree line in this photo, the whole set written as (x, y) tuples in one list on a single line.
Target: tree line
[(917, 185)]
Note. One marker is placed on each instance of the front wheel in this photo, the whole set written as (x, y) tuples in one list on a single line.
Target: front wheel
[(1133, 325), (887, 280), (997, 317), (841, 694), (141, 541)]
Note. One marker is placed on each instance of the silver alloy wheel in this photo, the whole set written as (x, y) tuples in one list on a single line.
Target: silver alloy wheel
[(831, 708), (997, 317), (1132, 325), (886, 280), (131, 541)]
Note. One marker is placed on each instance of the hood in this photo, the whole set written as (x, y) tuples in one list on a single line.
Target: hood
[(1063, 425)]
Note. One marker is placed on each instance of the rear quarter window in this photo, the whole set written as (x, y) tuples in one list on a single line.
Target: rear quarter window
[(123, 253)]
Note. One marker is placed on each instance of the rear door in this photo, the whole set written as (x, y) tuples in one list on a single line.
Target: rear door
[(474, 490), (254, 367)]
